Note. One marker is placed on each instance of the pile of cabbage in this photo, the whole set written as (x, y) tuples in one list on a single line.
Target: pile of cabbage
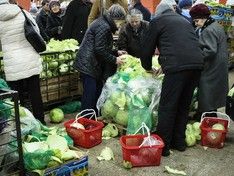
[(58, 58), (131, 89), (192, 134), (43, 146)]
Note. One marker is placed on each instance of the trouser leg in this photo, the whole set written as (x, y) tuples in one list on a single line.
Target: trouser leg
[(181, 120), (91, 92), (170, 94), (19, 87), (34, 91)]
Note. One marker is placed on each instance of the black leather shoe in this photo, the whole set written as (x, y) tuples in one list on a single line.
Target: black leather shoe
[(165, 152), (180, 148)]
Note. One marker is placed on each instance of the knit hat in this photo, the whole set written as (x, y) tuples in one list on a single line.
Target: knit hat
[(117, 12), (185, 3), (4, 2), (53, 2), (199, 11)]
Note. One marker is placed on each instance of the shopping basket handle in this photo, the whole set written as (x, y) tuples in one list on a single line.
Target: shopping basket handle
[(148, 133), (218, 113), (93, 113)]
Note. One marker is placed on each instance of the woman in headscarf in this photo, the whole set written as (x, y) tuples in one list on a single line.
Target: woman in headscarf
[(55, 20), (213, 85)]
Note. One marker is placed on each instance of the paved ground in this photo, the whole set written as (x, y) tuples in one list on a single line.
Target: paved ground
[(195, 161)]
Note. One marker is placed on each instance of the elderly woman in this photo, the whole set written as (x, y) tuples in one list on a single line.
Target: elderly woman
[(132, 33), (55, 20), (96, 60), (213, 85)]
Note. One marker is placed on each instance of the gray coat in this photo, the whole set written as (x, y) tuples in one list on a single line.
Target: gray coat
[(213, 86)]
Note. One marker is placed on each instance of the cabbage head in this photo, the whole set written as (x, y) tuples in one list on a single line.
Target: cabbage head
[(121, 118), (109, 110)]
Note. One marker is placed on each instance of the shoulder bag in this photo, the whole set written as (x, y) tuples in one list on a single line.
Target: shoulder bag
[(33, 37)]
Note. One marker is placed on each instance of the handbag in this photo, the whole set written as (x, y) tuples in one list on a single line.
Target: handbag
[(33, 37)]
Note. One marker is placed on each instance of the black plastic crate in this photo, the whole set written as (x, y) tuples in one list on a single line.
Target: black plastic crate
[(11, 153)]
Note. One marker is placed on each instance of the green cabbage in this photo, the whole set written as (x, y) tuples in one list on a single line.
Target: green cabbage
[(109, 110), (106, 154), (110, 130), (121, 100), (63, 68), (121, 117), (56, 115), (53, 64)]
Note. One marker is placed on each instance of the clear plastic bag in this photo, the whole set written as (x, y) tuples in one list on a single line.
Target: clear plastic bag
[(138, 96)]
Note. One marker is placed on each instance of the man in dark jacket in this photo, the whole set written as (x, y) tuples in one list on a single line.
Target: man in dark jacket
[(96, 60), (181, 61), (41, 18), (136, 4), (132, 33), (76, 19)]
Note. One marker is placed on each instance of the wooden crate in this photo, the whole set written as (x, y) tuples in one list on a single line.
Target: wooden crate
[(58, 88)]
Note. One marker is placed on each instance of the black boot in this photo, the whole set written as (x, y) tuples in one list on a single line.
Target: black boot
[(166, 151)]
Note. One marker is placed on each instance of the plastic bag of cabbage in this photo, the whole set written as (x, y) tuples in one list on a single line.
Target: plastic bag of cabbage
[(130, 91)]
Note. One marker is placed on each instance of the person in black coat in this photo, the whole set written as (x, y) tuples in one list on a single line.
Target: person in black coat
[(96, 59), (132, 33), (54, 20), (76, 19), (136, 4), (181, 61), (41, 19)]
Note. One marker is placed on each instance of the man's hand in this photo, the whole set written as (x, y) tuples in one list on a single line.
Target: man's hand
[(119, 60), (121, 52), (155, 71)]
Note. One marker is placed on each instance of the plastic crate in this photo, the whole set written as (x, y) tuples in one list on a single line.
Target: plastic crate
[(11, 153), (74, 167), (211, 137), (144, 155), (86, 138)]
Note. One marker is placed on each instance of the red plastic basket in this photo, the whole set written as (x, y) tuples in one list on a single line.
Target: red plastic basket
[(86, 138), (211, 137), (144, 155)]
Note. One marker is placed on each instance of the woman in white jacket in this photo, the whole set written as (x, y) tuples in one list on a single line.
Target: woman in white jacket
[(22, 64)]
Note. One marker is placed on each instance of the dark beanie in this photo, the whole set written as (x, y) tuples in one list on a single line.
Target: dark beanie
[(185, 3), (53, 2), (199, 11)]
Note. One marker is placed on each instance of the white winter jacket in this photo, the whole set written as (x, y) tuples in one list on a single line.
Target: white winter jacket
[(19, 57)]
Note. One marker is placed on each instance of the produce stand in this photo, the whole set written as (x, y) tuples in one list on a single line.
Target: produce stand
[(11, 154), (223, 14), (59, 81)]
